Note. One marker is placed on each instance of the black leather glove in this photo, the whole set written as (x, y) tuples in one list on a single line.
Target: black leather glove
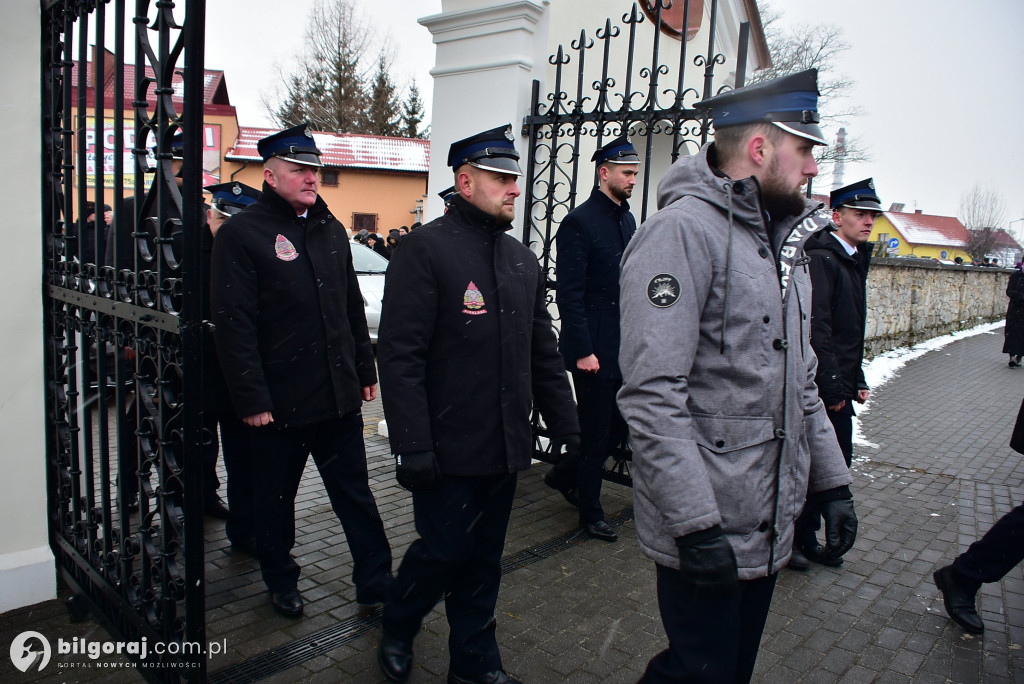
[(707, 562), (417, 471), (571, 444), (836, 506)]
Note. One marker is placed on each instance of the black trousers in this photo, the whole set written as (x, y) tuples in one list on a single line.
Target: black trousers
[(995, 554), (710, 639), (340, 455), (602, 428), (842, 423), (238, 464), (462, 524)]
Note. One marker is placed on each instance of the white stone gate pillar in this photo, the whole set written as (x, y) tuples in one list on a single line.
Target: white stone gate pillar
[(488, 53)]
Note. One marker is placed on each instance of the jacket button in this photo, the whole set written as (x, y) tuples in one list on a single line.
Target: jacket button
[(738, 187), (763, 252), (767, 318), (780, 433), (719, 443), (763, 527), (780, 344)]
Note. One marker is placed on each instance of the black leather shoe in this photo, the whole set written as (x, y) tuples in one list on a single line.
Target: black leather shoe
[(395, 658), (215, 508), (817, 554), (959, 602), (600, 530), (798, 561), (571, 494), (495, 677), (287, 603)]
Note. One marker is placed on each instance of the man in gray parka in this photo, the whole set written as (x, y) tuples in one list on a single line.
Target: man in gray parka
[(728, 433)]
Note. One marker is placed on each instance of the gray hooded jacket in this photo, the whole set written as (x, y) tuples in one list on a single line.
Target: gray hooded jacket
[(718, 372)]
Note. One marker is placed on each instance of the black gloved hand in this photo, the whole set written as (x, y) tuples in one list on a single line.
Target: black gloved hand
[(417, 471), (707, 562), (836, 506)]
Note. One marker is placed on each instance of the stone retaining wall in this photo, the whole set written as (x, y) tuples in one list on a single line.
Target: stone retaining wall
[(911, 300)]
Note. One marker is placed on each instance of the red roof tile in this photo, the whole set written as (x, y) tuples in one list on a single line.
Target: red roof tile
[(347, 150)]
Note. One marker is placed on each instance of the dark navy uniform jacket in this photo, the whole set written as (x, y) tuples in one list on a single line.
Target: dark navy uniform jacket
[(291, 330), (838, 315), (590, 242), (466, 347)]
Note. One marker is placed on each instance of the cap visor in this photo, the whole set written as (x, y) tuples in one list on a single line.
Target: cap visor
[(304, 158), (630, 159), (863, 204), (498, 165), (810, 131)]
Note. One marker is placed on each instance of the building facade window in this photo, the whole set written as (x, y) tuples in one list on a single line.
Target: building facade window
[(329, 178), (367, 222)]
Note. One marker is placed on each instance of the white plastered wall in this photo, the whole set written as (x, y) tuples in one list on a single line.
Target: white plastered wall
[(27, 573)]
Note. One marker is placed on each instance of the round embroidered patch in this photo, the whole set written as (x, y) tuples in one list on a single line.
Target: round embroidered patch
[(663, 290)]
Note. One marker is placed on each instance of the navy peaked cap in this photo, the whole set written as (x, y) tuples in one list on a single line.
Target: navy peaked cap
[(789, 102), (859, 195), (295, 144), (231, 198), (618, 151), (491, 150)]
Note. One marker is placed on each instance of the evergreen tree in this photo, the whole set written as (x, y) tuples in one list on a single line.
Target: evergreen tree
[(412, 115), (381, 116), (327, 88)]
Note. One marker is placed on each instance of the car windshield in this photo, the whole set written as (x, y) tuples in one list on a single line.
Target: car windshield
[(366, 260)]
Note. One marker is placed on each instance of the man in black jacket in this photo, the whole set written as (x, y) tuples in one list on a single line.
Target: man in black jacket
[(590, 243), (840, 256), (295, 350), (466, 347)]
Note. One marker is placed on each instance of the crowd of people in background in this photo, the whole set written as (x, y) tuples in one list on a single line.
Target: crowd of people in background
[(381, 245)]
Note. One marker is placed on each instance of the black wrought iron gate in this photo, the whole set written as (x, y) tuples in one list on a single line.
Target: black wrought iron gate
[(123, 326), (653, 106)]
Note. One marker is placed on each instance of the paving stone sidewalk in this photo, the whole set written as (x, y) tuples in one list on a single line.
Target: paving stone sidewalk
[(936, 474)]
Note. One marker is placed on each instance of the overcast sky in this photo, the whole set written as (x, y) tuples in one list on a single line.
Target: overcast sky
[(938, 82)]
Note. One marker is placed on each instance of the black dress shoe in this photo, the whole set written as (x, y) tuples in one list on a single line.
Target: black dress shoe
[(395, 658), (798, 561), (959, 601), (215, 508), (571, 494), (287, 603), (600, 530), (495, 677), (819, 554)]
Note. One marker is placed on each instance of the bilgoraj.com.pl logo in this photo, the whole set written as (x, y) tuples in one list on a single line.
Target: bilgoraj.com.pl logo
[(30, 651)]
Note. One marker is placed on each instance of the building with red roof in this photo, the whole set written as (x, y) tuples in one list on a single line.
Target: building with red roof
[(370, 182)]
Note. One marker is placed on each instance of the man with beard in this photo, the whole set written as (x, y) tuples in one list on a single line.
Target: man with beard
[(840, 256), (466, 350), (590, 242), (727, 430)]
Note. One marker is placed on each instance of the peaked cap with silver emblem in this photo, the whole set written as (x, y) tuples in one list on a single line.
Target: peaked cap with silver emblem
[(295, 144), (618, 151), (231, 198), (859, 195), (491, 150), (789, 102)]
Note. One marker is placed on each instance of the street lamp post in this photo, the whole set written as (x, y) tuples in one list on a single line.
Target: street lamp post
[(1009, 226)]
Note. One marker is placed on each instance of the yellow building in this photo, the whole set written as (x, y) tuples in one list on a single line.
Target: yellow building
[(922, 235), (370, 182)]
